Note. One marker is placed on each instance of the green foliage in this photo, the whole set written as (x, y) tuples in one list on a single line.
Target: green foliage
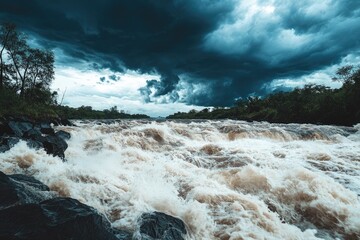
[(12, 104), (311, 104), (86, 112), (23, 69), (25, 77)]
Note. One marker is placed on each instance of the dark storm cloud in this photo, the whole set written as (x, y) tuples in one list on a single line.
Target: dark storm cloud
[(228, 48)]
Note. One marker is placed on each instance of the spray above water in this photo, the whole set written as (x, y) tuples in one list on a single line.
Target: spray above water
[(224, 179)]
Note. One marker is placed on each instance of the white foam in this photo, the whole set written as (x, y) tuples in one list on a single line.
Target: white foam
[(224, 179)]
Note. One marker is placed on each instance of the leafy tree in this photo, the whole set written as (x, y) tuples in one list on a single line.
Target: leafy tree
[(30, 70), (7, 30), (40, 73)]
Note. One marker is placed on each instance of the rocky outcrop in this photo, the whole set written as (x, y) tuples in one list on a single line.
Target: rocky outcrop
[(57, 218), (161, 226), (21, 189), (36, 134), (28, 210)]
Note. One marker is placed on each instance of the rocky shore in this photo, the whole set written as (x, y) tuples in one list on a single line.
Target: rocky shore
[(29, 210)]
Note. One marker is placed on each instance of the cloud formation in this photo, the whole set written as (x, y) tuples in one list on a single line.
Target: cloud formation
[(206, 52)]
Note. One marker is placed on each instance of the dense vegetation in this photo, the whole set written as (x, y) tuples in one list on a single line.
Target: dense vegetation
[(311, 104), (26, 74), (86, 112)]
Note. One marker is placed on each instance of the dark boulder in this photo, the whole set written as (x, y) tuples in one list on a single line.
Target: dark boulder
[(33, 133), (122, 235), (45, 128), (62, 134), (62, 122), (161, 226), (66, 122), (34, 138), (25, 215), (7, 142), (54, 145), (20, 189), (3, 148), (30, 181), (14, 128), (58, 218), (37, 135), (34, 144), (2, 127)]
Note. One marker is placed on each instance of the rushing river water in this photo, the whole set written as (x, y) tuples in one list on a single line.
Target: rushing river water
[(224, 179)]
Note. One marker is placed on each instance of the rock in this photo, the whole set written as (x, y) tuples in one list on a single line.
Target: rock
[(14, 128), (46, 128), (20, 189), (122, 235), (3, 148), (66, 122), (161, 226), (62, 134), (58, 218), (7, 142), (55, 145), (25, 215), (32, 134), (8, 194), (2, 127), (30, 181), (34, 144)]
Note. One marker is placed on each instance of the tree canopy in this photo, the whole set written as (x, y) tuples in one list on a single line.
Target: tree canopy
[(26, 74), (310, 104), (24, 70)]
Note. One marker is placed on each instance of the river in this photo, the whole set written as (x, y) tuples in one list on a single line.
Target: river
[(225, 179)]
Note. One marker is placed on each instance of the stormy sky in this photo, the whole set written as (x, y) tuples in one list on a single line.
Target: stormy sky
[(163, 56)]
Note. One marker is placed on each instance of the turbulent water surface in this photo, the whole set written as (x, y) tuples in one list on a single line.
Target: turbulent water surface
[(224, 179)]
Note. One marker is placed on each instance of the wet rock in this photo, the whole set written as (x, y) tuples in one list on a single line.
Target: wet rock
[(3, 148), (20, 189), (37, 135), (55, 145), (63, 135), (7, 142), (34, 144), (66, 122), (32, 134), (161, 226), (30, 181), (46, 128), (122, 235), (27, 213), (14, 128), (58, 218)]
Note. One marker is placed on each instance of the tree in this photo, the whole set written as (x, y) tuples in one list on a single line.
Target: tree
[(33, 68), (18, 51), (41, 71), (7, 30), (344, 73)]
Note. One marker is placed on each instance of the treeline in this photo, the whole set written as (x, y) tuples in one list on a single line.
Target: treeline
[(26, 74), (311, 104), (86, 112)]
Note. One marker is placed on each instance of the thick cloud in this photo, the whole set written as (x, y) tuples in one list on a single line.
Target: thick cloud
[(207, 52)]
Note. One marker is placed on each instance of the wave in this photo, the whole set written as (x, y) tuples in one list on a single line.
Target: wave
[(224, 179)]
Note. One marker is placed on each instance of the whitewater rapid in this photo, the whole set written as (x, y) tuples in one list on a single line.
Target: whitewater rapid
[(224, 179)]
